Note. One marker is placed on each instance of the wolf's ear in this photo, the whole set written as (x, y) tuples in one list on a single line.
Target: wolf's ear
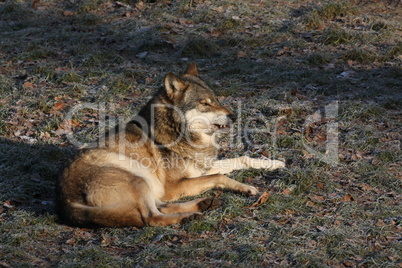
[(173, 85), (192, 69)]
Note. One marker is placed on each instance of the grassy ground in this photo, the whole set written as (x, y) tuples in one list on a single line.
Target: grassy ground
[(279, 61)]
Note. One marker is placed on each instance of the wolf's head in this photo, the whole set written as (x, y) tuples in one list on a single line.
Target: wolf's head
[(198, 104)]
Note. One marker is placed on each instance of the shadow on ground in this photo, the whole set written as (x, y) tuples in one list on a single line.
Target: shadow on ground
[(29, 173)]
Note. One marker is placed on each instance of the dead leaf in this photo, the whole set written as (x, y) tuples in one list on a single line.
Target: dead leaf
[(35, 2), (71, 241), (241, 54), (44, 135), (218, 193), (7, 204), (349, 263), (320, 185), (66, 127), (310, 204), (347, 198), (266, 154), (285, 50), (337, 222), (28, 85), (61, 131), (366, 187), (295, 93), (261, 200), (182, 21), (70, 123), (377, 246), (216, 33), (218, 9), (248, 179), (68, 13), (317, 198), (287, 191), (281, 122), (281, 126), (140, 5), (2, 263), (58, 106), (107, 240)]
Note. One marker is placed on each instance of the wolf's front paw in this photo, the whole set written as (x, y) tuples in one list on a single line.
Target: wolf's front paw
[(248, 190), (267, 164)]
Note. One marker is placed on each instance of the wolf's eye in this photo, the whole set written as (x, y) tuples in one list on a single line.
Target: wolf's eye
[(205, 103)]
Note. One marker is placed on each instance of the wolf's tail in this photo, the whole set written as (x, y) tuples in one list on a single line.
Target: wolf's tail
[(80, 215)]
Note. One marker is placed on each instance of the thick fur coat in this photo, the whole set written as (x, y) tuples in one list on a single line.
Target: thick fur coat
[(165, 153)]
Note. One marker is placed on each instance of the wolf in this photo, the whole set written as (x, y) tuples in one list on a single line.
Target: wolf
[(167, 152)]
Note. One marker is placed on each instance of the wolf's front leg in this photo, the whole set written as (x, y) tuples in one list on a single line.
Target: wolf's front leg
[(195, 186), (228, 165)]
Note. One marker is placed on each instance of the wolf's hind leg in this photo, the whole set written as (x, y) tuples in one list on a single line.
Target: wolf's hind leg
[(121, 199), (198, 185), (156, 213), (169, 219), (198, 205)]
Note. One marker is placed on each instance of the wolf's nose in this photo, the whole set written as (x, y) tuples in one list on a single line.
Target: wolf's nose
[(232, 117)]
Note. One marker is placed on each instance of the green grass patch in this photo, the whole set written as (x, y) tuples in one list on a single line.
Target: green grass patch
[(317, 59), (199, 48), (229, 24), (200, 226), (379, 25), (317, 17), (335, 36), (15, 8), (386, 156), (70, 77), (395, 51), (359, 55), (86, 19)]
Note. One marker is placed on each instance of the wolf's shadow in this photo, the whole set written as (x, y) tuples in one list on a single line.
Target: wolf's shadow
[(28, 173)]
